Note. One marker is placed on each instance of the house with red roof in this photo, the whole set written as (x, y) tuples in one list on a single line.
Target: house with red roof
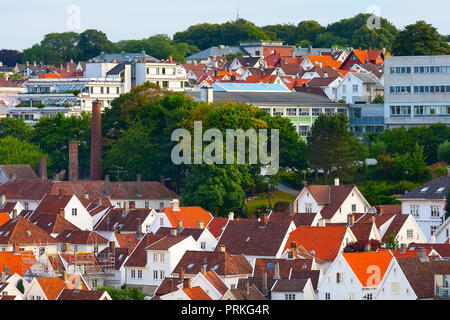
[(355, 276), (363, 57), (311, 61), (75, 294), (16, 262), (154, 258), (187, 293), (334, 203), (49, 288), (178, 216)]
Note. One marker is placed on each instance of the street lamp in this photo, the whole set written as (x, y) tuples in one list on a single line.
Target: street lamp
[(270, 205)]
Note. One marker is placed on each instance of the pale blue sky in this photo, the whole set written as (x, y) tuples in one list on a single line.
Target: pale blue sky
[(25, 22)]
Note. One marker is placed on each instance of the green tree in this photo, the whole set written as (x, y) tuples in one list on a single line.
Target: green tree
[(92, 43), (15, 151), (419, 39), (331, 146), (309, 30), (16, 128), (392, 243), (20, 286), (123, 293), (379, 99), (444, 152)]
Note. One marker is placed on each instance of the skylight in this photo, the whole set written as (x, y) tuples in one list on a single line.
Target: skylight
[(1, 233), (189, 267), (248, 238), (68, 235), (120, 257), (424, 189), (29, 233), (215, 267), (440, 189)]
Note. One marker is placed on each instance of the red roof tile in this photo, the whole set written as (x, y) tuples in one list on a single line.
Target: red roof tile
[(196, 293), (364, 264), (17, 263)]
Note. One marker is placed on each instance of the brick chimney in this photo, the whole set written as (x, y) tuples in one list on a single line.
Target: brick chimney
[(403, 247), (43, 168), (139, 184), (181, 275), (264, 284), (106, 186), (276, 271), (3, 200), (61, 212), (73, 160), (187, 283), (200, 224), (264, 219), (179, 225), (96, 141), (16, 249), (112, 245)]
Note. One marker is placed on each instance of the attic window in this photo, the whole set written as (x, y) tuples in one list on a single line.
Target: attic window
[(248, 238), (7, 232), (1, 233), (49, 224), (424, 189), (215, 267), (189, 267), (440, 189), (120, 257)]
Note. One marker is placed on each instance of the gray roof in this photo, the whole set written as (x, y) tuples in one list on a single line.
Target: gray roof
[(435, 189), (366, 77), (214, 52), (315, 51), (289, 285), (271, 98), (119, 57), (21, 171), (118, 69)]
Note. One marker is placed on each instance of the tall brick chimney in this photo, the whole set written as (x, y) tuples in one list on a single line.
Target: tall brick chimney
[(96, 141), (73, 160), (43, 168)]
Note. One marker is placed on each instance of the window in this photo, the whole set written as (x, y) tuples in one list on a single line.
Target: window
[(161, 221), (308, 208), (368, 296), (117, 90), (355, 88), (133, 273), (344, 88), (233, 286), (203, 245), (74, 211), (26, 206), (303, 131), (155, 274), (155, 257), (316, 112), (400, 110), (339, 277), (329, 111), (161, 274), (435, 211), (291, 112), (353, 207), (290, 296), (409, 233), (304, 112), (139, 274), (161, 257), (327, 296), (146, 205), (165, 84), (433, 229), (395, 287)]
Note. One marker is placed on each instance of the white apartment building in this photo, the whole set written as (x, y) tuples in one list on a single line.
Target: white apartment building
[(417, 90)]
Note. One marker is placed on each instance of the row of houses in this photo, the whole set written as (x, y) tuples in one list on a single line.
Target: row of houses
[(330, 243)]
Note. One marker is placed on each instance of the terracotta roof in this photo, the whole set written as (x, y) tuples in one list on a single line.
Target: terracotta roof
[(407, 253), (250, 237), (81, 237), (222, 263), (17, 263), (389, 208), (52, 223), (51, 287), (195, 233), (126, 240), (420, 274), (395, 226), (285, 267), (119, 256), (252, 294), (188, 215), (125, 221), (331, 197), (362, 231), (138, 257), (360, 262), (29, 189), (7, 297), (380, 219), (326, 61), (443, 249), (4, 217), (299, 219), (73, 294), (214, 279), (166, 242), (325, 241), (216, 226), (8, 207), (52, 204), (168, 285), (21, 171), (22, 231), (196, 293), (87, 259), (291, 285)]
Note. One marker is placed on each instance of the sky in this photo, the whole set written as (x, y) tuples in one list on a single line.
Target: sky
[(27, 21)]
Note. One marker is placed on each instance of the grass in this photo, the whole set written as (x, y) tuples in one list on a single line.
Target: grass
[(262, 199)]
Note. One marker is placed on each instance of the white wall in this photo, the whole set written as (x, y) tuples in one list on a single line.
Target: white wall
[(394, 274)]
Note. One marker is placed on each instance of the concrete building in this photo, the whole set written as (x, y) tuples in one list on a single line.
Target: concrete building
[(366, 118), (417, 90)]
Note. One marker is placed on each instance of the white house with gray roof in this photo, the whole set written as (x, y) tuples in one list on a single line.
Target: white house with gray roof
[(359, 88)]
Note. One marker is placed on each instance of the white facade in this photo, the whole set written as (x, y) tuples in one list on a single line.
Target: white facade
[(395, 285), (307, 293), (442, 235), (76, 213), (352, 89)]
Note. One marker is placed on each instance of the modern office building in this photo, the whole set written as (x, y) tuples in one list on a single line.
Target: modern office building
[(366, 118), (417, 90)]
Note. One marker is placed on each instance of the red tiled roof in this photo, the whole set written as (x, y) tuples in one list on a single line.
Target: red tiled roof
[(51, 287), (212, 278), (166, 242), (395, 226), (299, 219), (17, 263), (325, 241), (22, 231), (196, 293), (52, 204), (443, 249), (331, 197), (81, 237), (126, 240), (138, 257), (362, 262), (4, 217), (125, 221), (52, 223), (216, 226), (285, 267), (188, 215), (29, 189), (73, 294)]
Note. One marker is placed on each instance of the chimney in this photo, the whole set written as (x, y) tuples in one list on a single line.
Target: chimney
[(181, 275), (175, 205), (179, 225), (170, 59), (336, 181), (106, 187), (264, 219), (222, 248), (66, 277), (34, 63), (187, 283), (14, 213), (60, 193), (247, 287), (350, 220), (139, 184), (276, 271), (96, 141), (86, 195), (28, 63), (173, 232), (367, 247), (16, 249), (403, 247), (200, 224), (67, 247), (112, 245), (203, 270), (231, 216), (73, 160), (61, 212), (264, 284), (422, 254), (3, 201), (381, 210), (43, 168), (126, 206), (3, 278)]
